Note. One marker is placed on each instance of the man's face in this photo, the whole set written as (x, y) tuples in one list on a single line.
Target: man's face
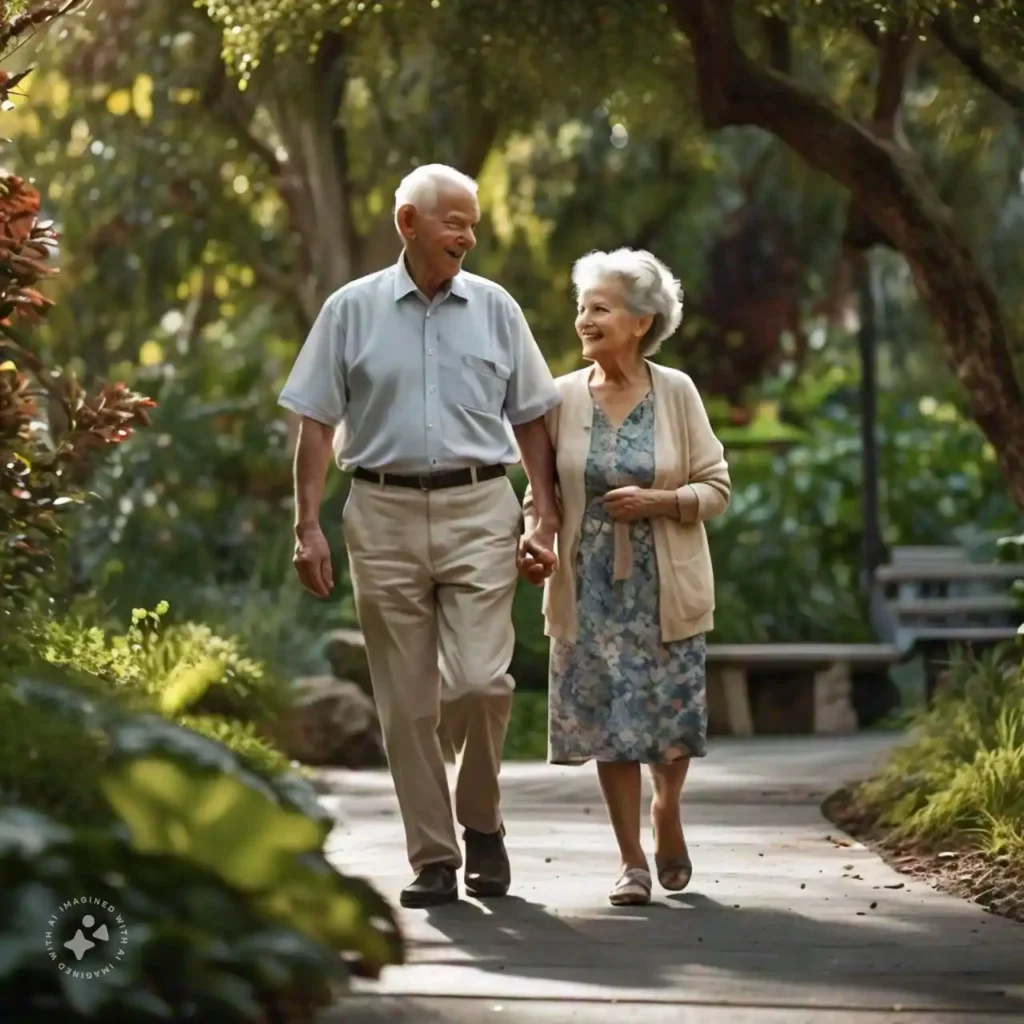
[(445, 233)]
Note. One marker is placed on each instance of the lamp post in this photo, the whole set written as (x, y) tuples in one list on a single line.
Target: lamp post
[(872, 551)]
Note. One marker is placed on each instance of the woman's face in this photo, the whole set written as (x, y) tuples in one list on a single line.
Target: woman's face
[(608, 330)]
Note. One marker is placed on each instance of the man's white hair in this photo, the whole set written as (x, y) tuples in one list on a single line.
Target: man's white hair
[(420, 187), (649, 286)]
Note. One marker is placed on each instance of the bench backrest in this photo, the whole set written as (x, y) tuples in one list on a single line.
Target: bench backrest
[(936, 593)]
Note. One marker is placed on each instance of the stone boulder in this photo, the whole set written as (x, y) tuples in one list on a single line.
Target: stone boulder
[(345, 651), (332, 722)]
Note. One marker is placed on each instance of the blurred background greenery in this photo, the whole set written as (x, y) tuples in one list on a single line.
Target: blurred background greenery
[(201, 224), (214, 169)]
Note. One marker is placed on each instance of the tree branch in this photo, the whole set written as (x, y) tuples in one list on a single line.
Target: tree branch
[(780, 46), (223, 100), (973, 61), (887, 182), (330, 72), (896, 50), (480, 127)]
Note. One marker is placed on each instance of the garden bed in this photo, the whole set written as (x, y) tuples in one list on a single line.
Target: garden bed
[(947, 807), (995, 881)]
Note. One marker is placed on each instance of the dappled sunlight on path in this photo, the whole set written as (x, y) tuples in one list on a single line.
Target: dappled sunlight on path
[(783, 911)]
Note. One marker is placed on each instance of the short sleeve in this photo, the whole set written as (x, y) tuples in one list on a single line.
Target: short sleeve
[(531, 388), (316, 384)]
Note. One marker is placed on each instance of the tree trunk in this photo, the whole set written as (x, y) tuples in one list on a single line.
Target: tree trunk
[(888, 185), (313, 180)]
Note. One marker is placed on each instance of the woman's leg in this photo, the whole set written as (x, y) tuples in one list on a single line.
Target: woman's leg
[(669, 842), (620, 783)]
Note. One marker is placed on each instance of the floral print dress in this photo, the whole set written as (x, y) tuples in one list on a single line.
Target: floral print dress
[(618, 693)]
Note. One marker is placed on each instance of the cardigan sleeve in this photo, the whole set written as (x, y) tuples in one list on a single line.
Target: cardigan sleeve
[(709, 481)]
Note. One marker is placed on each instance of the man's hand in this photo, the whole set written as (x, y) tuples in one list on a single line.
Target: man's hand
[(312, 560), (536, 558)]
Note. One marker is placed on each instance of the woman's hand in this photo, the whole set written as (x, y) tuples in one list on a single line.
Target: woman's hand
[(535, 556), (628, 504)]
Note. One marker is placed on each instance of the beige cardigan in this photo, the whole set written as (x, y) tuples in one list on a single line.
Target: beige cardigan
[(686, 454)]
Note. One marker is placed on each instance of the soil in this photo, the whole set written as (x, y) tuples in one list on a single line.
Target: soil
[(994, 882)]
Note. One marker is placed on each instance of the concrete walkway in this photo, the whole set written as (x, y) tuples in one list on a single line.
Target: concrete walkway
[(786, 921)]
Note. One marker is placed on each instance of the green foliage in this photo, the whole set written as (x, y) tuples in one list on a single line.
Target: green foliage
[(244, 738), (222, 830), (176, 669), (960, 778), (1011, 550), (214, 858), (787, 551), (185, 673), (194, 947), (527, 737), (51, 764)]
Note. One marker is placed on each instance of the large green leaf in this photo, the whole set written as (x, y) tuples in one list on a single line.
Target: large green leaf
[(346, 913), (145, 735), (130, 735), (223, 820)]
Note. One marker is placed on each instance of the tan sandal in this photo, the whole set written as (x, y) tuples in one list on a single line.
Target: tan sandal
[(674, 873), (633, 888)]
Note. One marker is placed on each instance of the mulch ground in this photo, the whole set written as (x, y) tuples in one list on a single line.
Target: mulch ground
[(994, 882)]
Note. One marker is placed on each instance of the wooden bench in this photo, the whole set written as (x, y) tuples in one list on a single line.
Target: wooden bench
[(757, 687), (930, 600)]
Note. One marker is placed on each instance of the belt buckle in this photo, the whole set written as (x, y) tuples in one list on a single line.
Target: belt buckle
[(424, 481)]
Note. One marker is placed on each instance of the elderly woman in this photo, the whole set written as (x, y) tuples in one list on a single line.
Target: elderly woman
[(631, 598)]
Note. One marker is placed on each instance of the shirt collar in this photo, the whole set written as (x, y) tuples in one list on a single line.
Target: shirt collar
[(405, 285)]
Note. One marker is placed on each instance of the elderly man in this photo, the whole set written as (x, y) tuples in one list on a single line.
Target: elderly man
[(417, 372)]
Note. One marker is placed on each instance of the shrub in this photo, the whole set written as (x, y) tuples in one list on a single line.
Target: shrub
[(961, 775), (193, 947), (215, 859), (185, 672), (50, 764), (217, 869)]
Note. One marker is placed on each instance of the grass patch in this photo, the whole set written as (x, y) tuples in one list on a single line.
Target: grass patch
[(949, 803)]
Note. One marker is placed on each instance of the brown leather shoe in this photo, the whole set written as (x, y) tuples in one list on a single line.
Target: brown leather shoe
[(488, 872), (434, 885)]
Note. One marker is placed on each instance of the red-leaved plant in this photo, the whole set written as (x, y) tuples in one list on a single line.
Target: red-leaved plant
[(51, 428)]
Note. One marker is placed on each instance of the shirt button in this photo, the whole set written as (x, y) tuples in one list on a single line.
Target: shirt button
[(428, 314), (432, 389), (430, 351), (430, 426)]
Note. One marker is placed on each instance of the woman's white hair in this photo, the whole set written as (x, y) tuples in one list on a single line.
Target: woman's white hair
[(421, 186), (649, 286)]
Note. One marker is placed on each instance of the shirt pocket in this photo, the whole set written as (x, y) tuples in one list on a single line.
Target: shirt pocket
[(477, 384)]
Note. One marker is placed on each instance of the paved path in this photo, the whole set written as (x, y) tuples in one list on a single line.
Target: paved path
[(785, 920)]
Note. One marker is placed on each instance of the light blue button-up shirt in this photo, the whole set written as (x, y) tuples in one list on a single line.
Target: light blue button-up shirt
[(418, 386)]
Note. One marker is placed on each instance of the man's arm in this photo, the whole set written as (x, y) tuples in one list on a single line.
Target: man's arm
[(532, 393), (315, 390), (538, 456), (312, 557)]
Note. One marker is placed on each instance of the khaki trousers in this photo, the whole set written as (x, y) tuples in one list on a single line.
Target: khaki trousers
[(434, 575)]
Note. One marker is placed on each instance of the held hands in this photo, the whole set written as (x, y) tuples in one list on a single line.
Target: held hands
[(535, 557), (312, 560)]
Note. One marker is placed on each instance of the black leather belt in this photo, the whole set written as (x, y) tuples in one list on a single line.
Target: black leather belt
[(430, 481)]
